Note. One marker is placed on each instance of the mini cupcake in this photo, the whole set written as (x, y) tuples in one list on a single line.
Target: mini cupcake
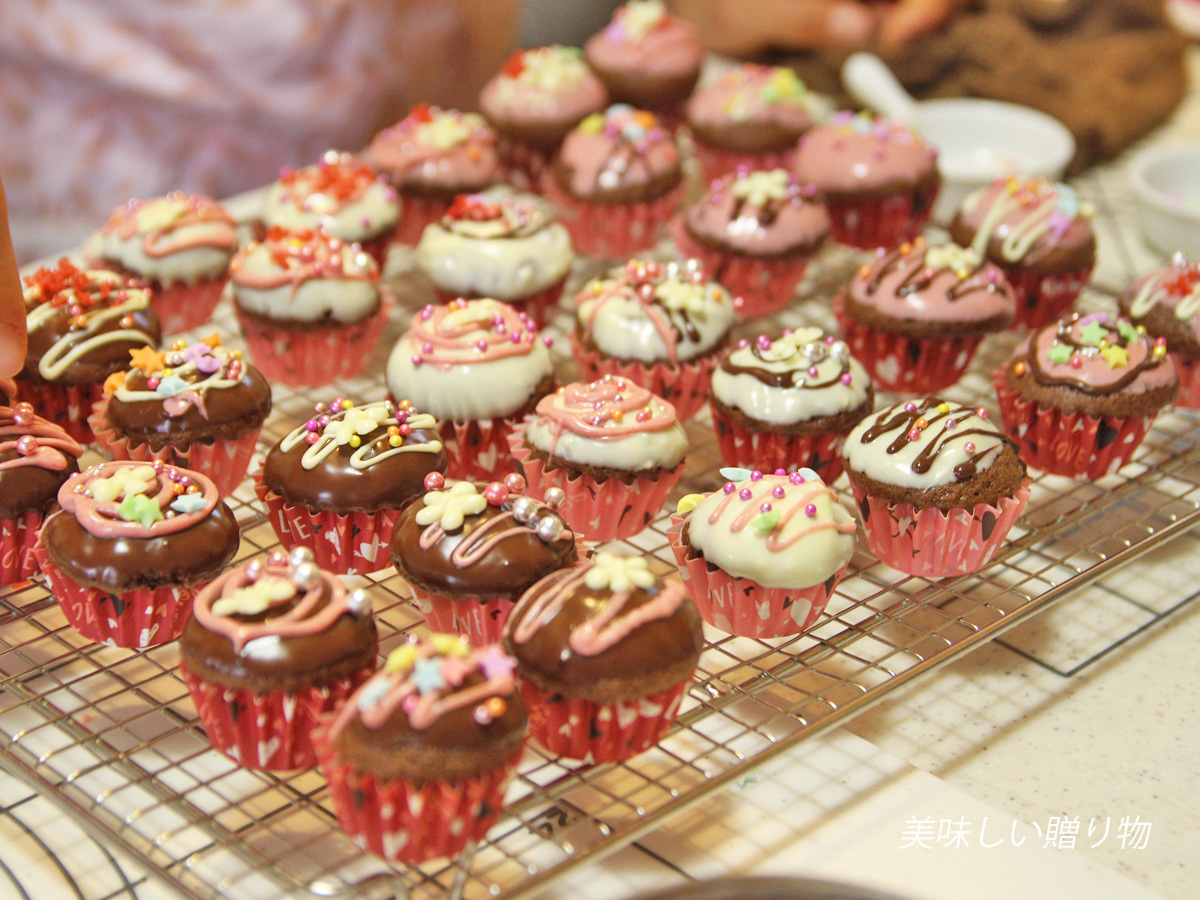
[(755, 233), (788, 403), (534, 101), (36, 457), (762, 556), (197, 406), (750, 116), (661, 326), (478, 367), (937, 485), (469, 552), (129, 548), (270, 648), (82, 326), (1166, 303), (337, 483), (309, 305), (179, 245), (648, 58), (509, 247), (1079, 396), (616, 181), (419, 758), (430, 156), (877, 177), (1039, 234), (604, 652), (916, 316), (613, 448), (340, 195)]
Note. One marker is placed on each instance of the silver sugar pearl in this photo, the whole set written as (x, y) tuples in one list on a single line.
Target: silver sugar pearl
[(307, 576), (814, 351), (299, 556), (359, 603), (524, 510), (555, 497), (549, 528), (839, 350)]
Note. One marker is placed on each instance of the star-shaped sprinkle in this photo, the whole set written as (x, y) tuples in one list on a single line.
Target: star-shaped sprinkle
[(1116, 357), (1126, 330), (401, 659), (1093, 333), (124, 482), (189, 503), (1060, 354), (140, 508), (427, 675), (147, 359), (495, 663), (171, 385), (450, 645)]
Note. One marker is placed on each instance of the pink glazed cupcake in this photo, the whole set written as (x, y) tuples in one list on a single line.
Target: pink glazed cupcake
[(1166, 304), (878, 178)]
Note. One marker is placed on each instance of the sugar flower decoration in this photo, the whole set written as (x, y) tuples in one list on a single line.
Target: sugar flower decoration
[(618, 573), (683, 296), (450, 508), (255, 598), (760, 188), (356, 422), (123, 483)]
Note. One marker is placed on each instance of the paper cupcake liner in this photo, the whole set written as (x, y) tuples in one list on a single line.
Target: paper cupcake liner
[(271, 730), (686, 386), (904, 364), (316, 356), (600, 732), (882, 221), (406, 822), (182, 307), (715, 163), (761, 286), (1071, 444), (18, 537), (523, 164), (744, 607), (353, 543), (935, 543), (611, 230), (1188, 371), (225, 462), (768, 450), (541, 305), (417, 211), (1044, 299), (608, 510), (67, 406), (478, 450), (481, 622), (141, 618)]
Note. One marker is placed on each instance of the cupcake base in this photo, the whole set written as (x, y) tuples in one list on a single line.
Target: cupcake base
[(182, 307), (1188, 371), (610, 230), (18, 537), (769, 450), (67, 406), (885, 220), (686, 386)]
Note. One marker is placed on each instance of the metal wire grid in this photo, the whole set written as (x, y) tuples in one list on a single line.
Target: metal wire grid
[(111, 736)]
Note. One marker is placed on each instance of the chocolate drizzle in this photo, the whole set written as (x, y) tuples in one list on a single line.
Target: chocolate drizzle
[(921, 276), (905, 420)]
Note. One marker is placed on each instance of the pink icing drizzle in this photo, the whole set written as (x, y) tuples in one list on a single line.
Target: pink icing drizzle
[(483, 539), (795, 499), (299, 256), (607, 409), (52, 445), (102, 519), (503, 331), (636, 282), (157, 242)]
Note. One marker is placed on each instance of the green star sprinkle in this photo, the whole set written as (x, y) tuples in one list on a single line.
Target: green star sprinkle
[(765, 524), (1093, 333), (140, 508), (1060, 354), (1126, 330)]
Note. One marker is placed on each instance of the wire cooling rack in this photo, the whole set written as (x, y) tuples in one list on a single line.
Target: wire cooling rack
[(111, 737)]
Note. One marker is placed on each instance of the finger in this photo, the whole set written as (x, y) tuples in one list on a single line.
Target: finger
[(747, 27), (12, 302), (910, 19)]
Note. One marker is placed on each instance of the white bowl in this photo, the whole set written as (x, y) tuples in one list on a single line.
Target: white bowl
[(981, 140), (1166, 182)]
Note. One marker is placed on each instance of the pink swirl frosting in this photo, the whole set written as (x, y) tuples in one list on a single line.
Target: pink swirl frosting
[(607, 409), (168, 501), (797, 491), (37, 442), (161, 241), (470, 331), (860, 153), (301, 256)]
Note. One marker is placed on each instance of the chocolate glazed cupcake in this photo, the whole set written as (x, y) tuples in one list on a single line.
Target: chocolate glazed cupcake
[(418, 760), (605, 652), (269, 649), (469, 552), (337, 483)]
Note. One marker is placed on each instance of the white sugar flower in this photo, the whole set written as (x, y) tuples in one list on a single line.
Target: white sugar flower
[(618, 573), (683, 296), (356, 421), (125, 482), (449, 508), (255, 598), (760, 188)]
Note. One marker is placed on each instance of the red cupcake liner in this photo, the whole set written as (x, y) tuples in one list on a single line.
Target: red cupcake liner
[(271, 730), (481, 622), (315, 356), (478, 450), (761, 286), (744, 607), (67, 406), (608, 510), (417, 211), (686, 386), (141, 618), (905, 364), (523, 164), (600, 732), (768, 450), (881, 221), (225, 462), (1043, 299), (184, 306), (936, 543), (715, 162), (18, 537), (611, 230), (1072, 444), (540, 305), (353, 543), (1188, 371), (406, 822), (378, 247)]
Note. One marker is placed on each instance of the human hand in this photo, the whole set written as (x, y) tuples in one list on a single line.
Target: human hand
[(13, 337)]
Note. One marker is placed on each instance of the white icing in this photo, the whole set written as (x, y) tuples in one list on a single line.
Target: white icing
[(745, 553), (344, 300), (374, 213), (662, 449), (505, 268), (876, 463), (787, 406)]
